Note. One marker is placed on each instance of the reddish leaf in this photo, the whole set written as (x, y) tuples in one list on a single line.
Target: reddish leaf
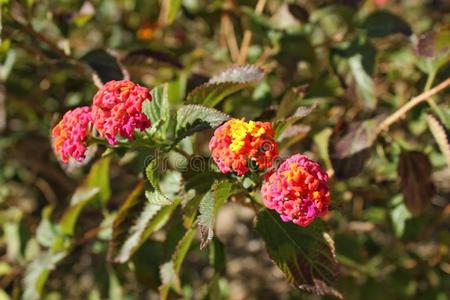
[(414, 169)]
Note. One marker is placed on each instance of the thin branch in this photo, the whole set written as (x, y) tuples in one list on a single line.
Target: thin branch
[(412, 103), (230, 37), (247, 39)]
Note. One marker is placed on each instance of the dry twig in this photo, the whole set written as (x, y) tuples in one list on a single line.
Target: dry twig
[(412, 103)]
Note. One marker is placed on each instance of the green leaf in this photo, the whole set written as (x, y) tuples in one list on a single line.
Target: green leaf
[(382, 23), (37, 272), (321, 139), (99, 178), (115, 291), (209, 207), (217, 255), (291, 101), (135, 221), (365, 87), (81, 197), (154, 195), (194, 118), (169, 10), (171, 269), (158, 111), (46, 232), (281, 125), (306, 255), (399, 215), (224, 84), (105, 65)]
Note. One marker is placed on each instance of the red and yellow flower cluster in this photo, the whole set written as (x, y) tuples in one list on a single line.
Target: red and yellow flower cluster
[(116, 111), (236, 143), (297, 190)]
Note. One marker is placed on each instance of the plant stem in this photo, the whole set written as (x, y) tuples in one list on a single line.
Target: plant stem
[(247, 39), (431, 101), (412, 103)]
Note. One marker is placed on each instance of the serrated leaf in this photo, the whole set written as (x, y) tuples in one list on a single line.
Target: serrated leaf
[(157, 198), (305, 255), (224, 84), (209, 207), (135, 221), (351, 148), (37, 272), (158, 111), (106, 66), (382, 23), (414, 170), (194, 118), (154, 195), (171, 269)]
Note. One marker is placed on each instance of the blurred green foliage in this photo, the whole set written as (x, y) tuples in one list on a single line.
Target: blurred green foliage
[(333, 71)]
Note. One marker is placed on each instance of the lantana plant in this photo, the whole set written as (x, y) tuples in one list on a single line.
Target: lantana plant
[(288, 194)]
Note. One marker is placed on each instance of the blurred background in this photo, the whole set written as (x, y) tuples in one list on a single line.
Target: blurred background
[(355, 61)]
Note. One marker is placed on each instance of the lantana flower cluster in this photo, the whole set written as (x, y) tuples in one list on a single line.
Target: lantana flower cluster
[(297, 189), (116, 111), (236, 143)]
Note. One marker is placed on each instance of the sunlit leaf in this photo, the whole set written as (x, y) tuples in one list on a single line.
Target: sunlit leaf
[(37, 272), (134, 223), (399, 215), (98, 177), (225, 84), (305, 255), (365, 87), (194, 118), (209, 207), (158, 111), (81, 197), (169, 10)]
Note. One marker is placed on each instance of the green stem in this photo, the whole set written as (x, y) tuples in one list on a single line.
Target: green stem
[(431, 101)]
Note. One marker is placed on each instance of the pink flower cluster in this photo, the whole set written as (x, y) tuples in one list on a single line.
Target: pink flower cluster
[(70, 134), (297, 190), (117, 110)]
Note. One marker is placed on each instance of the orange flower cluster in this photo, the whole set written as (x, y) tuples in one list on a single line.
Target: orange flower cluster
[(237, 142)]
